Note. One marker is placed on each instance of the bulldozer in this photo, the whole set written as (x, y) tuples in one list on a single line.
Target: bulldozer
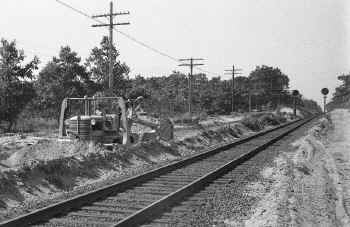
[(107, 120)]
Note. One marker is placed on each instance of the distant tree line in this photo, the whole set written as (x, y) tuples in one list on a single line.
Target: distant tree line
[(25, 90), (341, 96)]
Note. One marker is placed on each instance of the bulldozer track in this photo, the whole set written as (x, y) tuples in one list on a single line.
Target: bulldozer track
[(135, 201)]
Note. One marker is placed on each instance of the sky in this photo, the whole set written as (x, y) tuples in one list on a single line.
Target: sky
[(306, 39)]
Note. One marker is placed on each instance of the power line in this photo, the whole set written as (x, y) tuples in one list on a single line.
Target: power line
[(208, 72), (122, 33), (131, 37), (74, 9), (148, 47)]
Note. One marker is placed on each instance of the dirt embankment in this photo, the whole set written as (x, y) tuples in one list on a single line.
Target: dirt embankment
[(304, 186), (42, 170)]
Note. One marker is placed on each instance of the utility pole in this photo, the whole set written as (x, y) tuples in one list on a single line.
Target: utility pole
[(191, 64), (111, 25), (233, 72), (249, 95)]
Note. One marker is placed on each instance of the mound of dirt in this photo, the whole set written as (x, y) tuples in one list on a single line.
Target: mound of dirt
[(304, 186), (37, 175)]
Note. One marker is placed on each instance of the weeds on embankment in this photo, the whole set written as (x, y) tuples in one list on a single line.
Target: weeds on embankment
[(258, 122)]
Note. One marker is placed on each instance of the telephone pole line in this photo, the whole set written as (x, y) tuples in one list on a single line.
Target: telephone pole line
[(191, 64), (233, 72), (111, 25)]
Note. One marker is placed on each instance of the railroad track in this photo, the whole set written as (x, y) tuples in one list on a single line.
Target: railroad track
[(135, 201)]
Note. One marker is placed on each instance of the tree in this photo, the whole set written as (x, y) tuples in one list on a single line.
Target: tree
[(216, 96), (169, 94), (342, 92), (311, 106), (62, 77), (98, 66), (268, 79), (268, 83), (344, 88), (16, 87)]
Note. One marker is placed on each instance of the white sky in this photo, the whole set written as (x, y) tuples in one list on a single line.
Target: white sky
[(306, 39)]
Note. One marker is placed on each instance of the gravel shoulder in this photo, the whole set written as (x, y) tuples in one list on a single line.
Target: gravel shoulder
[(304, 186), (253, 195), (307, 182), (338, 146)]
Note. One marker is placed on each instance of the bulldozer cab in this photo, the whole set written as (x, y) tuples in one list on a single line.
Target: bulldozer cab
[(101, 119), (107, 120)]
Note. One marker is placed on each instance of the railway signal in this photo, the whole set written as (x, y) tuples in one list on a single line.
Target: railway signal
[(191, 64), (295, 94), (324, 92), (111, 25), (233, 72)]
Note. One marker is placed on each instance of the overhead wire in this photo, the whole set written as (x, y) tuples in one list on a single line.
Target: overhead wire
[(141, 43), (122, 33), (208, 72)]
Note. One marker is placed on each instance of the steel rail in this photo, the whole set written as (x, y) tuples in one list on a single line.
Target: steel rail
[(159, 206), (47, 213)]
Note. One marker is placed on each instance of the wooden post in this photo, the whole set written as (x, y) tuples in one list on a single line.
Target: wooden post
[(190, 88), (191, 65), (110, 49), (233, 72), (111, 25)]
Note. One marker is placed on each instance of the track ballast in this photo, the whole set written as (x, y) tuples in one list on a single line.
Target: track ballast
[(138, 200)]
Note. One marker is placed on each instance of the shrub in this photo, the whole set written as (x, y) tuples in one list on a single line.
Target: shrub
[(258, 122), (271, 119), (252, 123)]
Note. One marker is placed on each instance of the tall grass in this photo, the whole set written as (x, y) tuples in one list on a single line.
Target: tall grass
[(259, 122)]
